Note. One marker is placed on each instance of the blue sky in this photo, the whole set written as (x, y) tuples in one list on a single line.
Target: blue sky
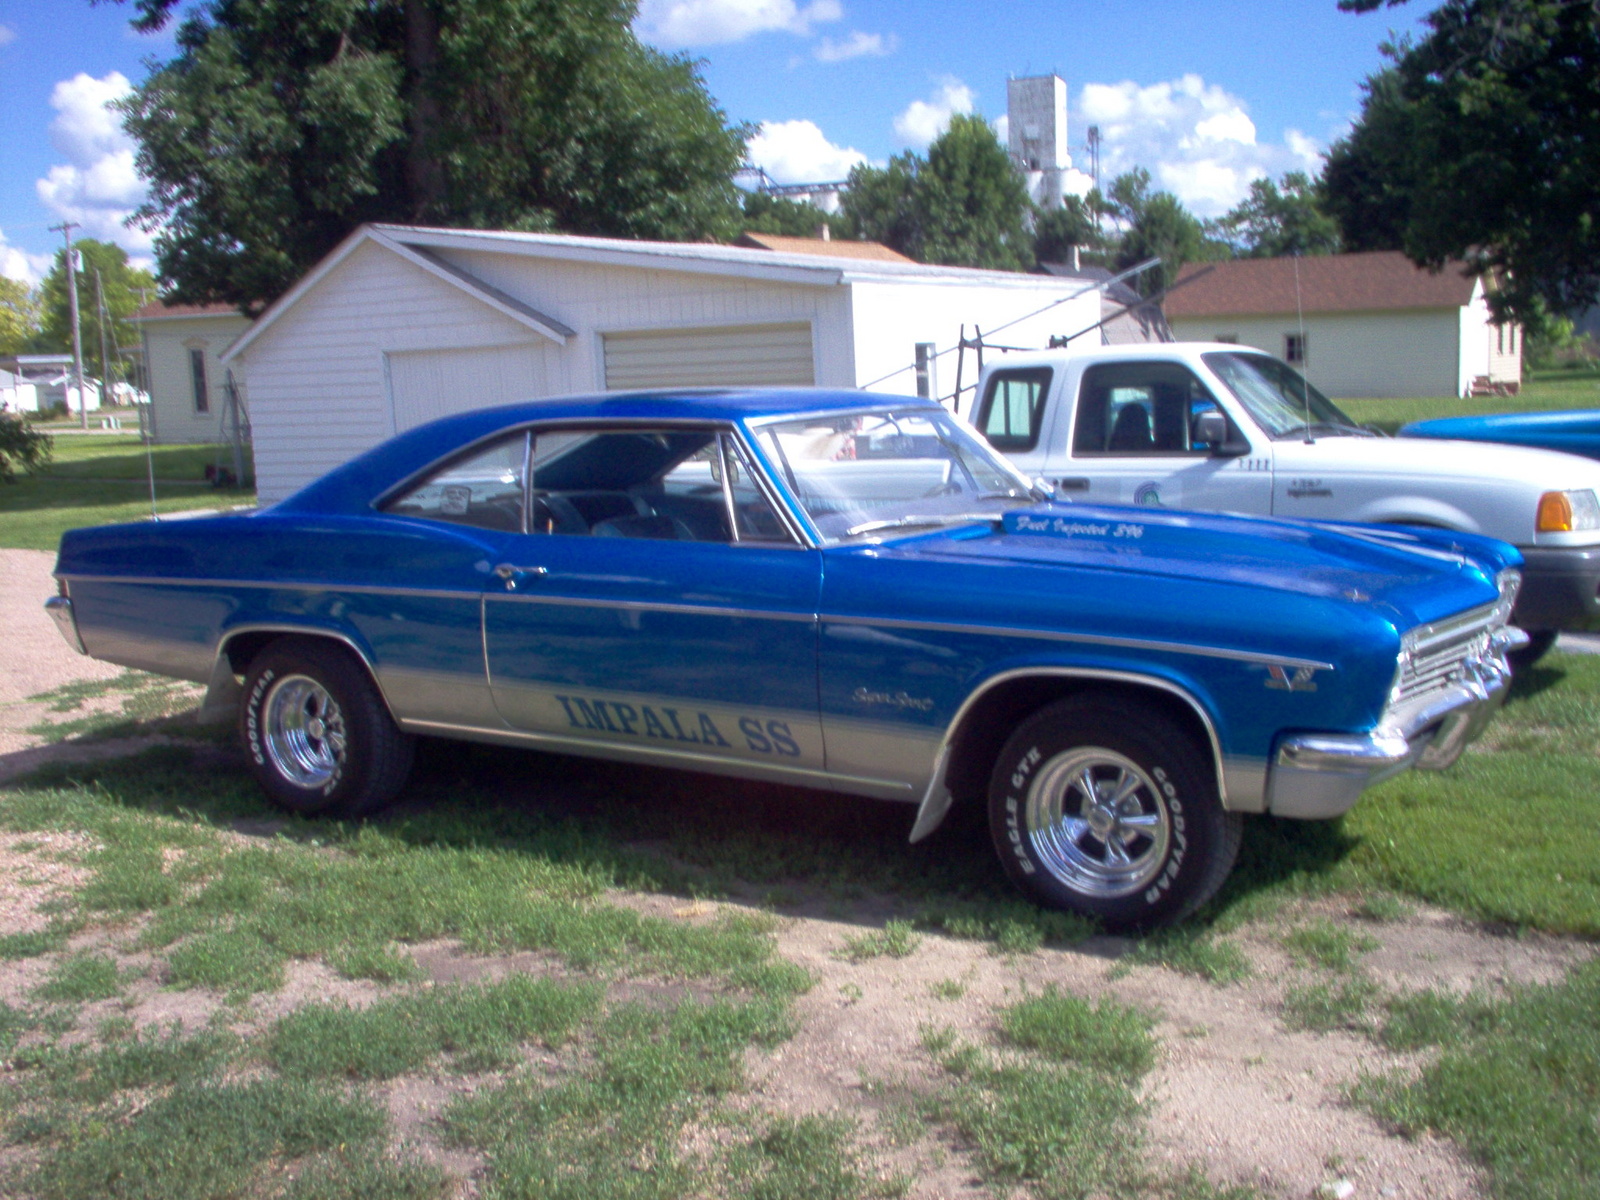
[(1205, 96)]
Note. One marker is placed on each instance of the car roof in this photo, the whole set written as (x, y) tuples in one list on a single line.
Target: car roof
[(354, 486)]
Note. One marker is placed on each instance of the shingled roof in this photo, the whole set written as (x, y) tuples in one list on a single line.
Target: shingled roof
[(157, 311), (1375, 281), (829, 248)]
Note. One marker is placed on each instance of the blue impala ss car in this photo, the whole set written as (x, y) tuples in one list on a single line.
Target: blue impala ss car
[(831, 589), (1576, 431)]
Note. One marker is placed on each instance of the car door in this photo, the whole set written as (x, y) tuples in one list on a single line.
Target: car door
[(412, 582), (660, 606), (1134, 442)]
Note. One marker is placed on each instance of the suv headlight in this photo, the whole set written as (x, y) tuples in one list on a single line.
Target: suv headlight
[(1568, 512)]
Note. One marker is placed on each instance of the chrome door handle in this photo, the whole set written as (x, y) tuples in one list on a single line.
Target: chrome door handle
[(510, 573)]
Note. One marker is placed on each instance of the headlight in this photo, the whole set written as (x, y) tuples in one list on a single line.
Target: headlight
[(1567, 512)]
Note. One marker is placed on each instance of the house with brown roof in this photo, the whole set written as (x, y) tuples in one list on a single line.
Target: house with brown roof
[(186, 378), (1370, 324)]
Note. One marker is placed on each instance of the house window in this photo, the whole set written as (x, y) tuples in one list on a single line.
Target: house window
[(1294, 349), (197, 372), (1499, 339), (1227, 339)]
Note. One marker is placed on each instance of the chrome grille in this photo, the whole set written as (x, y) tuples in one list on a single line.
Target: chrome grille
[(1436, 653)]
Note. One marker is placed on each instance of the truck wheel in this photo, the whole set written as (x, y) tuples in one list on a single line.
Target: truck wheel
[(1103, 806), (316, 733), (1539, 643)]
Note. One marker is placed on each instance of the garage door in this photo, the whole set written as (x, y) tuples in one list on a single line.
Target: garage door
[(425, 384), (729, 356)]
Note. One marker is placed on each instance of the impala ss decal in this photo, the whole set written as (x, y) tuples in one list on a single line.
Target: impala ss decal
[(665, 724)]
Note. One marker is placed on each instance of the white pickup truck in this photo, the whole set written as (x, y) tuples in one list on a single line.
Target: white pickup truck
[(1220, 426)]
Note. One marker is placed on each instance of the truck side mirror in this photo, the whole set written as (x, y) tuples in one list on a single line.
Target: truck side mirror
[(1210, 428)]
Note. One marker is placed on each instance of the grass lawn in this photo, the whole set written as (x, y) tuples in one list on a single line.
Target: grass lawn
[(1543, 392), (100, 479)]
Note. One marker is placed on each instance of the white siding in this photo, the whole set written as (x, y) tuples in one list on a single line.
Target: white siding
[(891, 318), (316, 377), (167, 343), (1414, 353), (597, 299), (427, 384)]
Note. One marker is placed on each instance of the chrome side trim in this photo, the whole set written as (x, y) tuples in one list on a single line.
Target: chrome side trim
[(1087, 639), (60, 610), (290, 586), (936, 800), (688, 759), (704, 610)]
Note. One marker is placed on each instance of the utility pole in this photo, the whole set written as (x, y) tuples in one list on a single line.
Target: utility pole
[(66, 228), (100, 316)]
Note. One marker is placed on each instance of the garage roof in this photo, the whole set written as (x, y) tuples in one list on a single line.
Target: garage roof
[(420, 245)]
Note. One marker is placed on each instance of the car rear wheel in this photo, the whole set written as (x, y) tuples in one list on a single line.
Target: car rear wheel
[(1106, 807), (316, 733)]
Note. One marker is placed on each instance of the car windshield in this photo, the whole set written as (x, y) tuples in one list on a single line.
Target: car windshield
[(1278, 397), (863, 475)]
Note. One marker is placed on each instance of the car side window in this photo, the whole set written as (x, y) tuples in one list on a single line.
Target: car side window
[(1140, 408), (654, 484), (485, 489), (1012, 409)]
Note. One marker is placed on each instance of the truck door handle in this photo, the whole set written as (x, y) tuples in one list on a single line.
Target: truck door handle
[(510, 573), (1074, 483)]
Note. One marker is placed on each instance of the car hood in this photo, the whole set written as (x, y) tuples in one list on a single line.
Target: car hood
[(1437, 458), (1414, 576)]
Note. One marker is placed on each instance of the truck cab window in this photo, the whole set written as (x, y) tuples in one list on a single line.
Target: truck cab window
[(1139, 408), (1012, 408)]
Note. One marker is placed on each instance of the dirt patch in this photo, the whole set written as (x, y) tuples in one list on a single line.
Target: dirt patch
[(33, 656)]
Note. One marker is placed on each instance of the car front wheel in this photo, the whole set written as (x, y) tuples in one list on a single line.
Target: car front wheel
[(1106, 807), (316, 733)]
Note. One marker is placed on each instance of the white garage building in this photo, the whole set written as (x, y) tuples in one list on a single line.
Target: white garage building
[(400, 325)]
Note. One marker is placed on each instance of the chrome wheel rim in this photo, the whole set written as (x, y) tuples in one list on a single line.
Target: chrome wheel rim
[(1098, 823), (304, 731)]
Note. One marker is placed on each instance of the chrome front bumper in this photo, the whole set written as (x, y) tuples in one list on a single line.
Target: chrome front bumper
[(60, 610), (1321, 775)]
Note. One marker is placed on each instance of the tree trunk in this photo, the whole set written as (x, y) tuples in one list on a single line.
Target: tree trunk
[(424, 172)]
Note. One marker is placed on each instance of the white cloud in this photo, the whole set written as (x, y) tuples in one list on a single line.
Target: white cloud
[(681, 23), (1196, 139), (16, 263), (857, 45), (798, 152), (7, 35), (924, 120), (98, 186)]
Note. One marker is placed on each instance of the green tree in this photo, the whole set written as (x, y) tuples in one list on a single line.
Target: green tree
[(878, 204), (1276, 220), (19, 315), (21, 447), (125, 288), (1155, 225), (964, 205), (788, 218), (281, 125), (1482, 142), (1056, 231), (970, 202)]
